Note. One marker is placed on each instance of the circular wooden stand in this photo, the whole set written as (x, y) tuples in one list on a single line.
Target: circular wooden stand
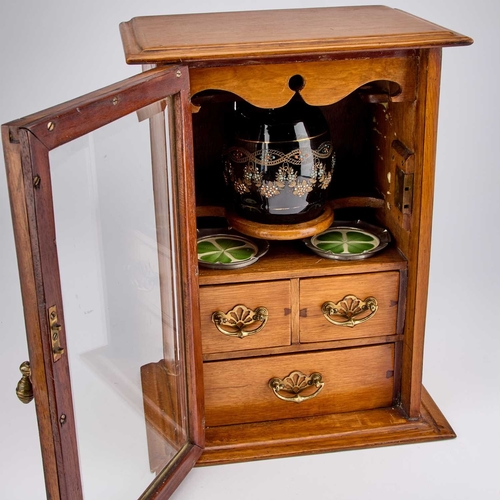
[(281, 231)]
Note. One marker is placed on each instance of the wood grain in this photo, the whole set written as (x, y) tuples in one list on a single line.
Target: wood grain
[(258, 34), (163, 414), (419, 257), (42, 389), (39, 205), (309, 347), (287, 260), (314, 327), (253, 55), (333, 432), (283, 232), (180, 128), (39, 261), (274, 296), (238, 392), (84, 114), (325, 82)]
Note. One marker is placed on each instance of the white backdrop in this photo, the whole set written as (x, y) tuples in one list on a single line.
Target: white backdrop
[(56, 50)]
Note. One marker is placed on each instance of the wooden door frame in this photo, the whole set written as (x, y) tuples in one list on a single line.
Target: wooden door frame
[(27, 143)]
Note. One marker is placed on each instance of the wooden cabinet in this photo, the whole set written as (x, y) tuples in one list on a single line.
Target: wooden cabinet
[(332, 357)]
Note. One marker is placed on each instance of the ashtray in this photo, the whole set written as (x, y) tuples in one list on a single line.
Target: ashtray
[(349, 241), (227, 250)]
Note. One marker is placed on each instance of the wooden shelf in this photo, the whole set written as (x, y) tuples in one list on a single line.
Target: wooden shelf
[(287, 260)]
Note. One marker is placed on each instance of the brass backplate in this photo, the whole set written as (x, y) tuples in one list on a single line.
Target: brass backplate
[(55, 334), (403, 195)]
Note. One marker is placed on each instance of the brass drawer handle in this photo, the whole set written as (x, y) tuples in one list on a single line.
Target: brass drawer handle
[(350, 307), (239, 319), (294, 384)]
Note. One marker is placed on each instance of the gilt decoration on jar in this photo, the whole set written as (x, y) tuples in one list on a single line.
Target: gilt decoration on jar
[(280, 163)]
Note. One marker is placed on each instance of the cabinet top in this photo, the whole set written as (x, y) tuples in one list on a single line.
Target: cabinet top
[(274, 33)]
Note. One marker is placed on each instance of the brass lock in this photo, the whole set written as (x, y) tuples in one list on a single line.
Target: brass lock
[(24, 389), (55, 338)]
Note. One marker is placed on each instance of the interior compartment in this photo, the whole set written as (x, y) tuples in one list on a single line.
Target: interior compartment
[(372, 126), (372, 133)]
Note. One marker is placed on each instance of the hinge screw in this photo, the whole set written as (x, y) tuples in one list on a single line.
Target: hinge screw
[(62, 419), (115, 101), (178, 74), (51, 126), (36, 181)]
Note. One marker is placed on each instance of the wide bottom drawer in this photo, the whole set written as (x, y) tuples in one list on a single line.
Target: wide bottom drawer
[(298, 385)]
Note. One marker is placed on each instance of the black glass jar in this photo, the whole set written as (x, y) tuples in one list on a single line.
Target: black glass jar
[(280, 163)]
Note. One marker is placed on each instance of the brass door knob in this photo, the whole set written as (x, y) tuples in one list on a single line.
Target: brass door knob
[(24, 389)]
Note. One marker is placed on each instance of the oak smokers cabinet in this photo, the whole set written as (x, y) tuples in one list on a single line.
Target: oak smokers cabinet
[(129, 370)]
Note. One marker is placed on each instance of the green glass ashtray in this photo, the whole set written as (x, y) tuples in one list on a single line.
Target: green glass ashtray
[(349, 241), (229, 251)]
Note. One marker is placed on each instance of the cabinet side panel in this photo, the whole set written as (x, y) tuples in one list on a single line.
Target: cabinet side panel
[(420, 237), (394, 129)]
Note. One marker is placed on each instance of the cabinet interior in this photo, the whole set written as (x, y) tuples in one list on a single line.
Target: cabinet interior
[(372, 130), (371, 116)]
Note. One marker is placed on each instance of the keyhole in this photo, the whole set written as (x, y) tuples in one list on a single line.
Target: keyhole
[(296, 83)]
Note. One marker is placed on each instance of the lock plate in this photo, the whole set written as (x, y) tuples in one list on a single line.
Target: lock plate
[(403, 195)]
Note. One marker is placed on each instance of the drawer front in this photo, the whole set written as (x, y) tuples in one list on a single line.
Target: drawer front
[(345, 307), (350, 379), (227, 314)]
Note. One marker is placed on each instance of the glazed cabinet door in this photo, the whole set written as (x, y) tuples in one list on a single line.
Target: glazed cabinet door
[(104, 218)]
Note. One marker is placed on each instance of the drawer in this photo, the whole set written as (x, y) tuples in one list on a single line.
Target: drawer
[(235, 306), (238, 391), (348, 313)]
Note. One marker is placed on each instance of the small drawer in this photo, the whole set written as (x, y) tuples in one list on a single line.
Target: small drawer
[(247, 316), (298, 385), (345, 307)]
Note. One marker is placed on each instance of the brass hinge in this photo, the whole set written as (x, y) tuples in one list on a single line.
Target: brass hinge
[(55, 337)]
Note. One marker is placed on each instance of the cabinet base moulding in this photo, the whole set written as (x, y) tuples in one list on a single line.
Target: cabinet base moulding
[(345, 431)]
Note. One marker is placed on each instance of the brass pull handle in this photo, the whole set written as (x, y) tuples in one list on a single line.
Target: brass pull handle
[(295, 383), (350, 307), (239, 320), (24, 389)]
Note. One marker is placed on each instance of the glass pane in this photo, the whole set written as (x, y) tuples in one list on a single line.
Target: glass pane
[(117, 238)]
